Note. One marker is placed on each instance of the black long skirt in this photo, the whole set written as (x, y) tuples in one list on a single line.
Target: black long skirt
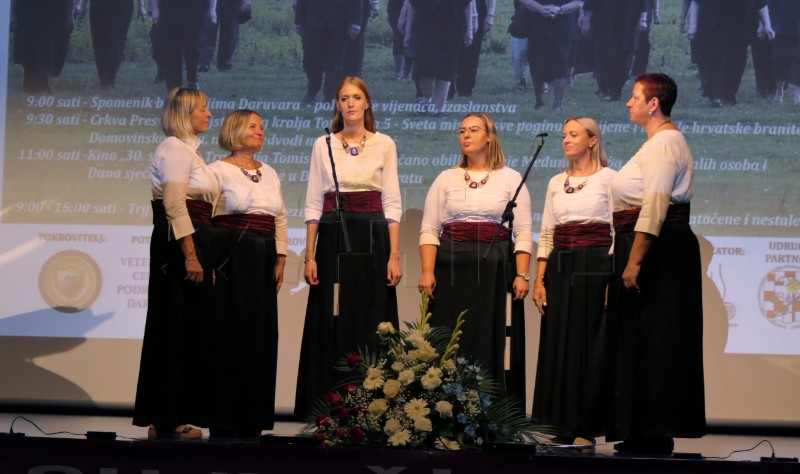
[(246, 332), (655, 340), (365, 301), (173, 375), (465, 281), (570, 375)]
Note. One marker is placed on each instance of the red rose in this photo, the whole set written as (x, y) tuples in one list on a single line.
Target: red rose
[(342, 413), (333, 399), (349, 389), (323, 421), (320, 439), (341, 433), (356, 434), (353, 360)]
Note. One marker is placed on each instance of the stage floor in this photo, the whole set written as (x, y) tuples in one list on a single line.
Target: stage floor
[(713, 453)]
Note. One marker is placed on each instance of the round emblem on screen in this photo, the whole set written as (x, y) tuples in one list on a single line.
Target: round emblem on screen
[(70, 281), (779, 296)]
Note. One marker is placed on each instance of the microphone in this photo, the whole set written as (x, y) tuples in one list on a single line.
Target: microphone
[(543, 134), (328, 131)]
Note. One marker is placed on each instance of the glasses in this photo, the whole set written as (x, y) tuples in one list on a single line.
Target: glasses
[(472, 130)]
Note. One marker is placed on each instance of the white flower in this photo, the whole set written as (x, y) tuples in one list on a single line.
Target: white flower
[(378, 407), (447, 444), (392, 388), (423, 424), (401, 438), (449, 365), (406, 376), (432, 378), (444, 408), (415, 338), (374, 379), (397, 366), (392, 426), (416, 408), (424, 352), (385, 329)]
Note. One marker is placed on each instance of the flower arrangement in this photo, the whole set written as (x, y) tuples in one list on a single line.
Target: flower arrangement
[(419, 394)]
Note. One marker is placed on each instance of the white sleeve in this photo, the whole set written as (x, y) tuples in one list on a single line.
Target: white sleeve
[(314, 195), (392, 204), (433, 213)]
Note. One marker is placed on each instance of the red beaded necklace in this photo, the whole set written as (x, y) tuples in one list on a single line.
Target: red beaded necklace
[(475, 184)]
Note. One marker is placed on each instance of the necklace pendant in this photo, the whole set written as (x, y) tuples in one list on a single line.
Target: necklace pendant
[(569, 190), (354, 151), (473, 185)]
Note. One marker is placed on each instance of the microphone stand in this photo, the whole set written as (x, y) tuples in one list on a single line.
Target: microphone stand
[(340, 224), (508, 213)]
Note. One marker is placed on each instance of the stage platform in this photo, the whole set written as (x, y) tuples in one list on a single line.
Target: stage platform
[(66, 449)]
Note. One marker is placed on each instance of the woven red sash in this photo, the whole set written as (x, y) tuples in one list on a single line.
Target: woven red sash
[(571, 236), (625, 221), (259, 223), (356, 201), (199, 211), (472, 232)]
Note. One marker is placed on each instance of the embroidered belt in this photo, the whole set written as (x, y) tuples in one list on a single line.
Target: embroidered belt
[(199, 211), (472, 232), (356, 201), (571, 236), (625, 221), (259, 223)]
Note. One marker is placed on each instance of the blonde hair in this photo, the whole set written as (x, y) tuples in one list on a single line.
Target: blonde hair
[(234, 128), (495, 159), (597, 153), (178, 107), (369, 120)]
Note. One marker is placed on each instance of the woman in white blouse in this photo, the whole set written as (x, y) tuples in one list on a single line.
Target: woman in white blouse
[(169, 393), (655, 310), (572, 272), (462, 211), (367, 276), (250, 241)]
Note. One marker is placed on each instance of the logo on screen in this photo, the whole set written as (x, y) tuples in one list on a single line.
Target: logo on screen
[(70, 281), (779, 296)]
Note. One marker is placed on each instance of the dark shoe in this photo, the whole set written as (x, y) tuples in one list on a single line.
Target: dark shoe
[(658, 445), (716, 103), (203, 68)]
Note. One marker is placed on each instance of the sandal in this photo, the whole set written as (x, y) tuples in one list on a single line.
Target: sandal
[(180, 432)]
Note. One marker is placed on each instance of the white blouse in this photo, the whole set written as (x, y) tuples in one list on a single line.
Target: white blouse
[(589, 205), (177, 173), (240, 195), (374, 169), (659, 174), (450, 199)]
